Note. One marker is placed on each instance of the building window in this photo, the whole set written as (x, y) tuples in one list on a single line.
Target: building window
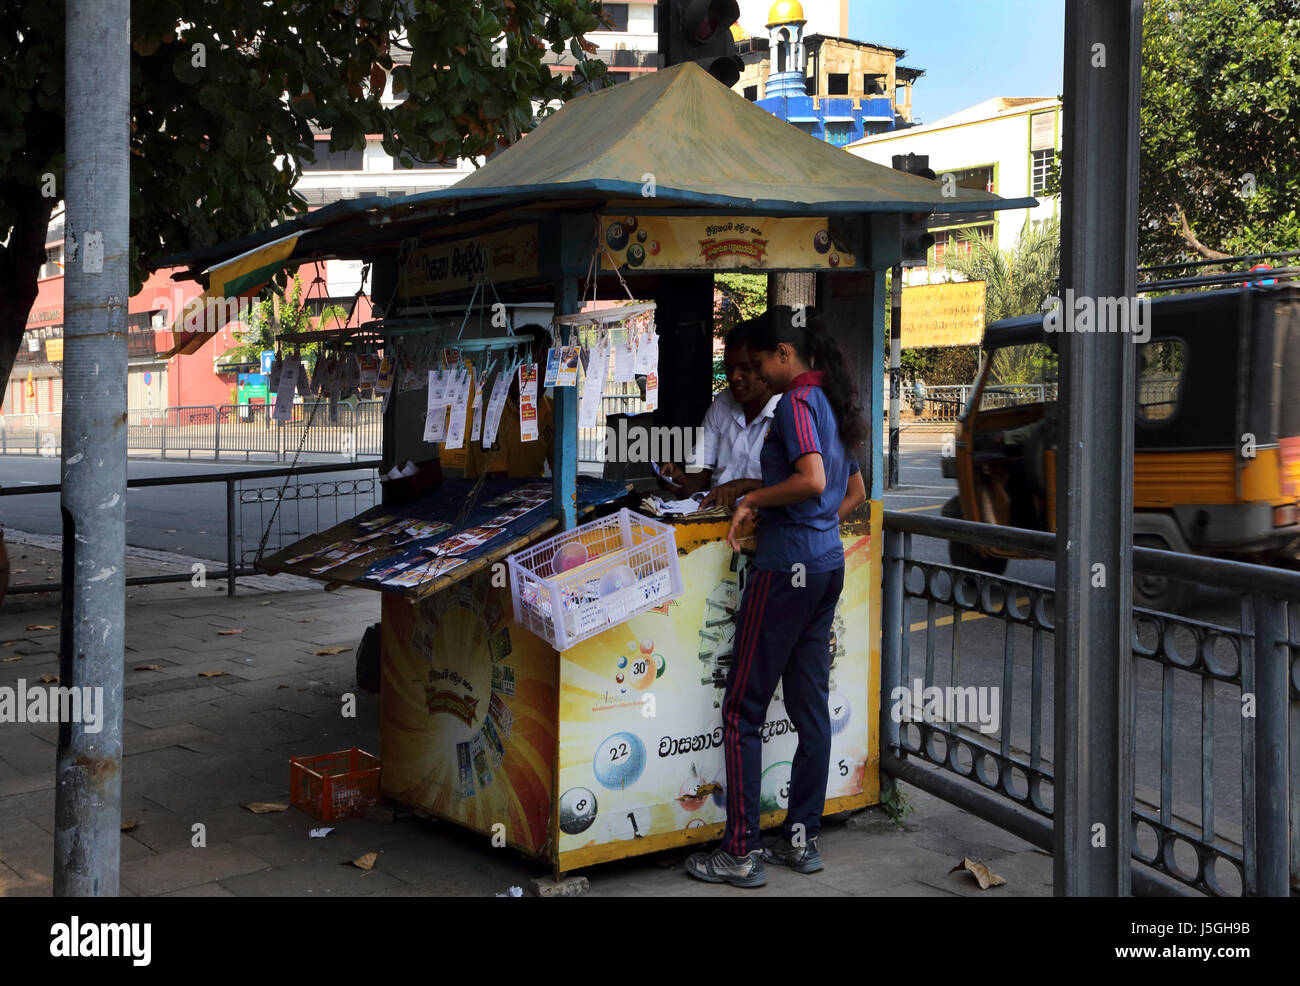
[(837, 84), (960, 241), (1042, 160), (873, 84), (616, 13), (344, 159), (810, 86), (751, 93), (839, 132)]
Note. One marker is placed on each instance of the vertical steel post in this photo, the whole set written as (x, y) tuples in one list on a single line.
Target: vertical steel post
[(231, 551), (88, 773), (564, 497), (1271, 781), (1093, 685), (895, 368), (891, 618)]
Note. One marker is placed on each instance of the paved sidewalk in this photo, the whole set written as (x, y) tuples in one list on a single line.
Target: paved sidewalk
[(197, 748)]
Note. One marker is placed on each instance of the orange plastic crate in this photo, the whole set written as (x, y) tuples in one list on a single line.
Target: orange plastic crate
[(331, 786)]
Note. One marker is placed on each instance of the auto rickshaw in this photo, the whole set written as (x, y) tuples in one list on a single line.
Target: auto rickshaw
[(1216, 466)]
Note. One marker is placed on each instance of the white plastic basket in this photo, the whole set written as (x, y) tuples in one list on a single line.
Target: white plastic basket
[(631, 567)]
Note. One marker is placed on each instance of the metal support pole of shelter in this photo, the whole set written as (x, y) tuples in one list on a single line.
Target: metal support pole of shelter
[(895, 368), (88, 770), (564, 497), (1094, 502)]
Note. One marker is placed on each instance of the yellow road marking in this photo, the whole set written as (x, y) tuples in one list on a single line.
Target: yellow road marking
[(933, 506), (966, 617)]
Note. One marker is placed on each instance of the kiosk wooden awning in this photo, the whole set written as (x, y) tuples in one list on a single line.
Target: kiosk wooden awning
[(675, 140)]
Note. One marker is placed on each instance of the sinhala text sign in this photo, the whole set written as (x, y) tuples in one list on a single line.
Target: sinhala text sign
[(943, 314), (720, 243)]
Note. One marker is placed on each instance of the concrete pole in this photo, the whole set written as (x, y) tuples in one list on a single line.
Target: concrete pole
[(895, 369), (88, 795), (1094, 502)]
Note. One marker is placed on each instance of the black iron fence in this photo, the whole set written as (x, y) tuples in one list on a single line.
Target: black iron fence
[(319, 427), (265, 510), (1216, 709)]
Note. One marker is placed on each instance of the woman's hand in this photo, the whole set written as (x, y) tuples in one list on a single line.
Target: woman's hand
[(744, 513)]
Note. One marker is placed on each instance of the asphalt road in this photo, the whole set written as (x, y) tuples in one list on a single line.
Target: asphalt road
[(189, 520)]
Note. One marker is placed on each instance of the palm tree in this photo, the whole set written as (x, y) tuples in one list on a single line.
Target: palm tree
[(1017, 282)]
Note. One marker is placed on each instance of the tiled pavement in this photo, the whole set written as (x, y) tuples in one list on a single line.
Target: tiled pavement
[(197, 748)]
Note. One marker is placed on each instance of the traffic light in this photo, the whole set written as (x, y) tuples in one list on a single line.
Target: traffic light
[(916, 239), (700, 31)]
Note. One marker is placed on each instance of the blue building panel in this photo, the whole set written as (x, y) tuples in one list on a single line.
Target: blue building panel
[(835, 119)]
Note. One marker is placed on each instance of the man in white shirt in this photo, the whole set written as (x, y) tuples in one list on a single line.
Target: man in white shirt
[(726, 459)]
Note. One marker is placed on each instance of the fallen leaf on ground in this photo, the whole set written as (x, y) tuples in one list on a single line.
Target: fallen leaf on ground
[(130, 826), (10, 643), (983, 875), (229, 633), (310, 619), (211, 674), (10, 660), (331, 650), (19, 571), (266, 807), (365, 862), (148, 667), (278, 687), (49, 679), (39, 626)]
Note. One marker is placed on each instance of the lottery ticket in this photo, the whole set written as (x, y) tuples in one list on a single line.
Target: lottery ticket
[(501, 714), (478, 753), (528, 402), (496, 404), (552, 367), (464, 770), (499, 644), (503, 679), (496, 749)]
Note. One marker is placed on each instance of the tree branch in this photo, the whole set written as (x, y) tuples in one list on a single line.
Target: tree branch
[(1185, 231)]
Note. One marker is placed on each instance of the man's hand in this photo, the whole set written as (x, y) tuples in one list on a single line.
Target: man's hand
[(670, 477), (744, 514), (727, 494)]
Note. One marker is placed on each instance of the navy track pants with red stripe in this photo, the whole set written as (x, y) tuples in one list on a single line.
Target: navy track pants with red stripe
[(782, 634)]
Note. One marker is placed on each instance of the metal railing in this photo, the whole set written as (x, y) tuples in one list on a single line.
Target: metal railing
[(253, 522), (213, 430), (1217, 800), (591, 441)]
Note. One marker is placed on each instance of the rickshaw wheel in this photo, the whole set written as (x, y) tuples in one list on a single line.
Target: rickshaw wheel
[(967, 555), (1158, 592)]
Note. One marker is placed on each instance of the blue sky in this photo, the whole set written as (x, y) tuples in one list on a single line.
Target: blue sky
[(970, 51)]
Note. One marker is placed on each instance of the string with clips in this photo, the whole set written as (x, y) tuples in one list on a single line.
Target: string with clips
[(302, 440), (483, 348)]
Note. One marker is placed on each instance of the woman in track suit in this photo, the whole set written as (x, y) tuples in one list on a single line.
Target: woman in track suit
[(810, 482)]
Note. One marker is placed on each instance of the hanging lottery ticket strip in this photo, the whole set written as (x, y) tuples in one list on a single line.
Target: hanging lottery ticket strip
[(621, 344)]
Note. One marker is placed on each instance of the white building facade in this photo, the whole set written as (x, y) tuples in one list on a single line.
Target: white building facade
[(1003, 145)]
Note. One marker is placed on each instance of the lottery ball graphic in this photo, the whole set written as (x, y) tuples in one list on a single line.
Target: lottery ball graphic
[(647, 646), (630, 646), (660, 665), (774, 787), (643, 672), (619, 678), (653, 247), (641, 236), (635, 255), (822, 241), (687, 796), (720, 787), (834, 259), (616, 236), (619, 577), (840, 713), (619, 761), (630, 224), (577, 810), (622, 662)]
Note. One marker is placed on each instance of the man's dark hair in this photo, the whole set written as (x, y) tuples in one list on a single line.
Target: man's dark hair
[(738, 336)]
